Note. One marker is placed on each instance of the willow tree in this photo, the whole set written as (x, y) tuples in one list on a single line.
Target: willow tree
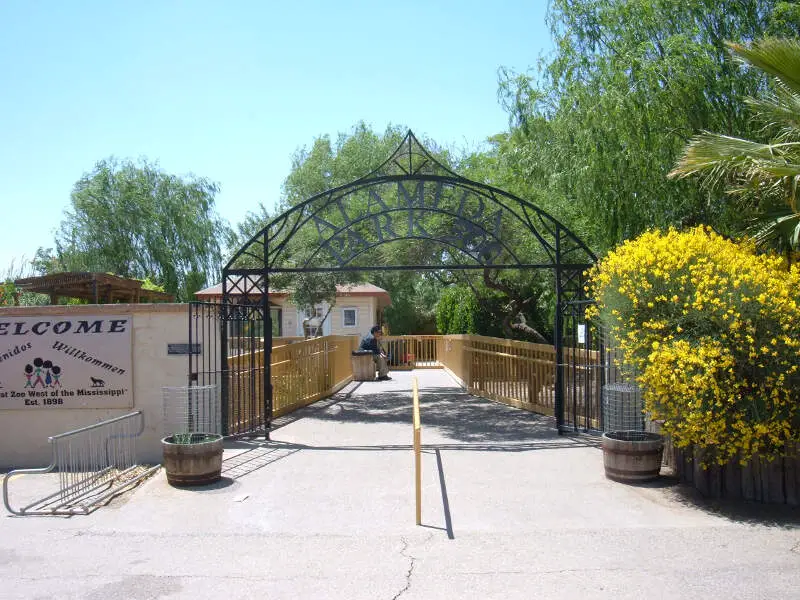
[(135, 220), (601, 123)]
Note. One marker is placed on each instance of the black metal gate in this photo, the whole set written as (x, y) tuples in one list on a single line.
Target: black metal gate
[(205, 352), (580, 370), (226, 343)]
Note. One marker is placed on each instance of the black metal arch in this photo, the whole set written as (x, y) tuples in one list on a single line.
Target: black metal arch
[(410, 196)]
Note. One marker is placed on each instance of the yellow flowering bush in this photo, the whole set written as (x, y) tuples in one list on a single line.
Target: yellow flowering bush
[(709, 326)]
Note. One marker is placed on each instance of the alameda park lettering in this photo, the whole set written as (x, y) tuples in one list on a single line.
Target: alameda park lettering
[(474, 230)]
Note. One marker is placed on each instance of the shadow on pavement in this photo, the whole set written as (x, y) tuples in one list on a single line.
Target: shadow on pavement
[(320, 405), (455, 414), (739, 511), (223, 483), (782, 516), (256, 455)]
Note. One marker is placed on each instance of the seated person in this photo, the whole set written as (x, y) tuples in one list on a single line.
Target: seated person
[(371, 342)]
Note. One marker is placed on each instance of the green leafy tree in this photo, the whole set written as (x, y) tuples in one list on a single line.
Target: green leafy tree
[(601, 122), (763, 175), (135, 220), (514, 304), (11, 295), (7, 292), (414, 298), (328, 164), (456, 311)]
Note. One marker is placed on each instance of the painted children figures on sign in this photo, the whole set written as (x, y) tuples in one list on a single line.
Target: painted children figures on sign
[(51, 376), (56, 375), (38, 363)]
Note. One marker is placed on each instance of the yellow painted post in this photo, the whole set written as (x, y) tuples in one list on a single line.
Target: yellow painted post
[(417, 452)]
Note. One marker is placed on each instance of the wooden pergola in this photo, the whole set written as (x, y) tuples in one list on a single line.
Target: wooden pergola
[(96, 288)]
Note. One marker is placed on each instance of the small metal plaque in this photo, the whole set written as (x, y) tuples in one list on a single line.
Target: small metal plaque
[(184, 349)]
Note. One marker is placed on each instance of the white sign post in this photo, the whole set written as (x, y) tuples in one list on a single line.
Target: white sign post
[(66, 362)]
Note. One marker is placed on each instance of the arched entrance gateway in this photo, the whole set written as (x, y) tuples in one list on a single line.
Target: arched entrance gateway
[(431, 219)]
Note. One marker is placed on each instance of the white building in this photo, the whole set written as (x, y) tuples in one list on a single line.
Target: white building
[(357, 308)]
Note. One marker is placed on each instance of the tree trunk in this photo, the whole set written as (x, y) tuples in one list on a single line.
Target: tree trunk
[(515, 318)]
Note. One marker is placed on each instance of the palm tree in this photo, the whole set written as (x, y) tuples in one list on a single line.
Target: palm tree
[(764, 175)]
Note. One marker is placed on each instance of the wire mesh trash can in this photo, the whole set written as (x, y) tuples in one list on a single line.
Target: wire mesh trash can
[(622, 407), (192, 409)]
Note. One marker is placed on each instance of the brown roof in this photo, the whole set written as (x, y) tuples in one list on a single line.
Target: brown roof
[(93, 287), (253, 287)]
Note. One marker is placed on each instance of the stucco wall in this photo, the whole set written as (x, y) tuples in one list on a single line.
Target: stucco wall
[(24, 432), (289, 317), (365, 317)]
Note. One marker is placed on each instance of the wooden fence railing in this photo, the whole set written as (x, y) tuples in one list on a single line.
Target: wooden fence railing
[(302, 373), (517, 373), (412, 351), (582, 374), (245, 384), (523, 374), (285, 340), (451, 352), (520, 374), (243, 345)]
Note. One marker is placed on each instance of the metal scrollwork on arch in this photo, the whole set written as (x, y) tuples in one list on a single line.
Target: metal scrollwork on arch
[(411, 197)]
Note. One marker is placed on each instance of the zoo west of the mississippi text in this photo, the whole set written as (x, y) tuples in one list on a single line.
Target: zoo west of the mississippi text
[(44, 398)]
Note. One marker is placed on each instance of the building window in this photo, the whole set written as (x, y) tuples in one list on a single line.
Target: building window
[(350, 317), (277, 326)]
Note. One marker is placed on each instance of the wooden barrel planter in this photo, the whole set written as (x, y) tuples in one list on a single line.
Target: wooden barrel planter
[(193, 458), (632, 456)]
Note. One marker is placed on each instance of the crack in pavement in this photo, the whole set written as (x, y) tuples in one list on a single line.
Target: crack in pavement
[(410, 569)]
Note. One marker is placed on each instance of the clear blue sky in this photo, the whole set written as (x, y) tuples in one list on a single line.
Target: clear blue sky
[(230, 90)]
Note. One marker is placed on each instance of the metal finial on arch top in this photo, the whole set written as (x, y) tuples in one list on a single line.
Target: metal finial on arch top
[(411, 158)]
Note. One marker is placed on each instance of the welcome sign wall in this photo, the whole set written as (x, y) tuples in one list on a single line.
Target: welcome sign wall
[(66, 362)]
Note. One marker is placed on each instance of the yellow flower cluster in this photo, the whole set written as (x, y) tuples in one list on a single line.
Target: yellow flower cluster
[(709, 326)]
